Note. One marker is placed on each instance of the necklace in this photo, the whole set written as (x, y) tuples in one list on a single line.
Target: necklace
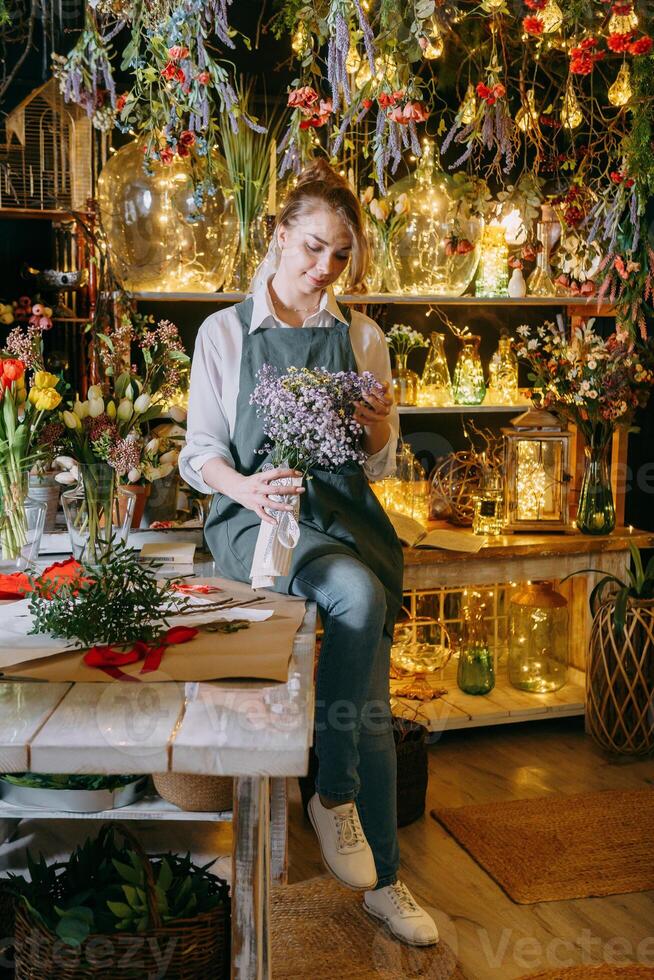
[(293, 309)]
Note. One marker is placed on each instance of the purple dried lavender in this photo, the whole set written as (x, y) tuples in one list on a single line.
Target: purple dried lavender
[(368, 35)]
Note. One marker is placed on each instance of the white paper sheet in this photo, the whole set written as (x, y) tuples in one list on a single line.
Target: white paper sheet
[(17, 645)]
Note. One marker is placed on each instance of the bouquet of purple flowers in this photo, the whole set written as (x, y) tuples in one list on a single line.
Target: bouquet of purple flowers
[(308, 415)]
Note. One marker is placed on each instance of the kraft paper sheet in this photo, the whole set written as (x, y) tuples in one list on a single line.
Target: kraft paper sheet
[(260, 652)]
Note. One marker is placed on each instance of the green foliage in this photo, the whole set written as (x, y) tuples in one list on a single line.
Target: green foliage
[(637, 144), (48, 780), (118, 601), (639, 584), (102, 889)]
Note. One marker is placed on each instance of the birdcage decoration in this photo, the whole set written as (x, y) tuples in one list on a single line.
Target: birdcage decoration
[(537, 464), (46, 161)]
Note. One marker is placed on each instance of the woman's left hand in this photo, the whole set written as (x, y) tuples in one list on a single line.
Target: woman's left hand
[(375, 409)]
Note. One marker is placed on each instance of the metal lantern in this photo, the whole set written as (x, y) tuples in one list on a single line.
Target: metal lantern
[(537, 467)]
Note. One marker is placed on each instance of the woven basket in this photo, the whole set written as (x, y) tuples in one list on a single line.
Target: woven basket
[(187, 949), (620, 680), (412, 772), (198, 793)]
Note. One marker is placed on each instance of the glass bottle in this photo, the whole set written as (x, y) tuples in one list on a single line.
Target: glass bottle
[(475, 671), (540, 282), (596, 510), (469, 386), (503, 374), (493, 274), (436, 384), (488, 517), (538, 638)]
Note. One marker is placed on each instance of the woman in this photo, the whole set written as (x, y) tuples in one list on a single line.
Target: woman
[(348, 559)]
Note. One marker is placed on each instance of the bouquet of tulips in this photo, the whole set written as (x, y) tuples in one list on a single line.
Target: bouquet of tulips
[(28, 396)]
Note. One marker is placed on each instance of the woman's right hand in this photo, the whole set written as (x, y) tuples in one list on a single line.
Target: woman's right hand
[(254, 492)]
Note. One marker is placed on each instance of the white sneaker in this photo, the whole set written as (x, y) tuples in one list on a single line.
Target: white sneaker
[(396, 906), (343, 845)]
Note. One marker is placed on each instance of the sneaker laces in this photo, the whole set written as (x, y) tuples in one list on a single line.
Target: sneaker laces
[(402, 899), (348, 828)]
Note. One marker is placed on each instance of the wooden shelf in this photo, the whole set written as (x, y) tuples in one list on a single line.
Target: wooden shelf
[(504, 705), (570, 302), (460, 409), (150, 807)]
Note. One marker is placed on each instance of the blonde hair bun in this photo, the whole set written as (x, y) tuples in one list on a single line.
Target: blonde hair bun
[(319, 170)]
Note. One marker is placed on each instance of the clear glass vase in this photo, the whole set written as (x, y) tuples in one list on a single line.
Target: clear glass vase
[(95, 517), (21, 522), (253, 237), (405, 382), (596, 510), (469, 385), (436, 384), (438, 248)]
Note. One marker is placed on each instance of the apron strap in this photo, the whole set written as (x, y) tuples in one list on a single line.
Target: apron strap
[(244, 311)]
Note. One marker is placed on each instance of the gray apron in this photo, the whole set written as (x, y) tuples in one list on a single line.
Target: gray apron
[(339, 513)]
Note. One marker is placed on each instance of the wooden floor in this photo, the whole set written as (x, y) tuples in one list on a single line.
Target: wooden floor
[(494, 937)]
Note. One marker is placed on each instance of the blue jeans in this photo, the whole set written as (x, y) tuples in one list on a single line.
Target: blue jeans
[(354, 733)]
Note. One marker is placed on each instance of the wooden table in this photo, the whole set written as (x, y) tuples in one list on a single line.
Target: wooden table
[(259, 734)]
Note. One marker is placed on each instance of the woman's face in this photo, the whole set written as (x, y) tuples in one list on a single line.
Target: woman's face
[(315, 249)]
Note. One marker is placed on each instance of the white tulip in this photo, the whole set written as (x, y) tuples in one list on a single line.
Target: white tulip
[(124, 410), (177, 413), (165, 470), (65, 462), (81, 410), (95, 391), (71, 420), (151, 473), (142, 403), (134, 475), (66, 478), (169, 457), (96, 407), (152, 446), (129, 392)]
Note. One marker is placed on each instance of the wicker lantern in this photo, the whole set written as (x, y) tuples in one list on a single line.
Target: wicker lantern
[(537, 454)]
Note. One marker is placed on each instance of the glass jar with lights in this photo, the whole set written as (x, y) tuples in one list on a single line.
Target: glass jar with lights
[(468, 386), (493, 272), (475, 669), (538, 638), (438, 249), (157, 236), (536, 466), (488, 515), (541, 282), (503, 374), (435, 383)]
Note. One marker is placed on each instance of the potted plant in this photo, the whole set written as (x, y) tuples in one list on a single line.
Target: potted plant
[(620, 673), (109, 898)]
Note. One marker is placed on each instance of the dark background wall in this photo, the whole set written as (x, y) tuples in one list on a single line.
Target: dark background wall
[(431, 435)]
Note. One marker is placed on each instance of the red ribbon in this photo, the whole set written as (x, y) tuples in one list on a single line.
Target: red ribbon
[(110, 661), (187, 588)]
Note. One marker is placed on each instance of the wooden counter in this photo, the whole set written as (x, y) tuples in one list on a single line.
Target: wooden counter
[(506, 560)]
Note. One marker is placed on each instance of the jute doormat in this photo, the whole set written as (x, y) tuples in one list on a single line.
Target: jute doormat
[(603, 972), (320, 932), (559, 847)]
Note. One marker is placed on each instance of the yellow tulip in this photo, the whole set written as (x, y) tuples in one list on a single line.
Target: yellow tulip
[(71, 420), (45, 399), (43, 379)]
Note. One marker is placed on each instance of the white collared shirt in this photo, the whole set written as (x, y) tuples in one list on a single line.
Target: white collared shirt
[(215, 375)]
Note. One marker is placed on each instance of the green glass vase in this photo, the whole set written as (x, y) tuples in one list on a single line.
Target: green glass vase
[(596, 510)]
